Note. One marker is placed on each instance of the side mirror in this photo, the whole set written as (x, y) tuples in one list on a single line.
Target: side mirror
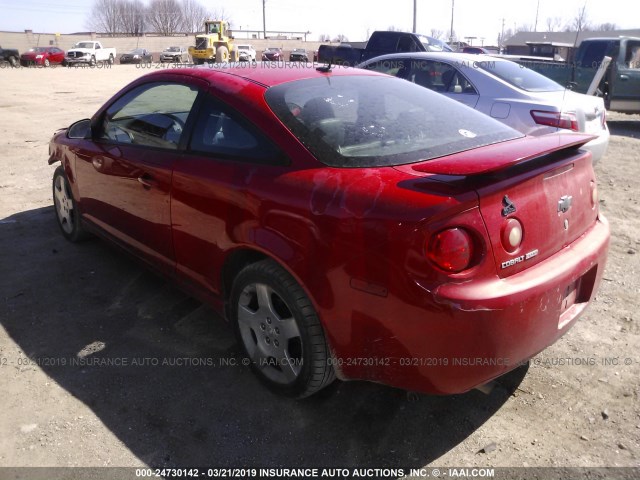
[(80, 129)]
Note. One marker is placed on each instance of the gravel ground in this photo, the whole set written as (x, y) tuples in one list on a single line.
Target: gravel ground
[(576, 405)]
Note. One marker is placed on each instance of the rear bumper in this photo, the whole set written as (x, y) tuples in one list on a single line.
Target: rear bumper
[(598, 146), (476, 331)]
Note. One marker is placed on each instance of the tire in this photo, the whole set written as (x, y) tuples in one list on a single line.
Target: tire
[(46, 63), (111, 60), (92, 62), (13, 61), (279, 331), (67, 212), (222, 54)]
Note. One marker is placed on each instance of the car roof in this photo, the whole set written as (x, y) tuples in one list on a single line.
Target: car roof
[(441, 56), (268, 74)]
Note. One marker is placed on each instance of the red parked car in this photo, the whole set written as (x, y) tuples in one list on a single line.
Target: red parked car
[(43, 56), (347, 223)]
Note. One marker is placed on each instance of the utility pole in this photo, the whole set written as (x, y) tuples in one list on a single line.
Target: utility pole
[(415, 11), (451, 30), (501, 46), (264, 21), (535, 27)]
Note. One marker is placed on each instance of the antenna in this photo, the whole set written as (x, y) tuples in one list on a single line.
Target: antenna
[(325, 68)]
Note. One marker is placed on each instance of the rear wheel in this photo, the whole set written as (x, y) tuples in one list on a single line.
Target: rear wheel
[(67, 212), (280, 331), (13, 61)]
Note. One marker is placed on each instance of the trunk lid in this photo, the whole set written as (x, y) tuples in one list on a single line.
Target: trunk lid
[(546, 183)]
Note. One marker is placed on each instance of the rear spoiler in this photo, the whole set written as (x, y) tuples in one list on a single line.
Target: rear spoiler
[(492, 158)]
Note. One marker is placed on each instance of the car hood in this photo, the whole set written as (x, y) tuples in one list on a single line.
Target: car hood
[(81, 50), (31, 54)]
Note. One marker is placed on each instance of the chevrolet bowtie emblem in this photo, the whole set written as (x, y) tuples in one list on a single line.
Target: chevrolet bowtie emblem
[(508, 206), (564, 204)]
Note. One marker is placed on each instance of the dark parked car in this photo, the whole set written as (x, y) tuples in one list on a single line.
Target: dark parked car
[(381, 43), (43, 56), (347, 223), (9, 55), (175, 55), (139, 55), (298, 55), (272, 54)]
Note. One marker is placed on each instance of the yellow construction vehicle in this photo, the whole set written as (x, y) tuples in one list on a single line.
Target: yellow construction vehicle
[(215, 45)]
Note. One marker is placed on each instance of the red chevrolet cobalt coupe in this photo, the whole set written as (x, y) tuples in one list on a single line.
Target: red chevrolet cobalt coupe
[(348, 224)]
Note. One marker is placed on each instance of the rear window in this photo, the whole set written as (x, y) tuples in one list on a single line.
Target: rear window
[(520, 76), (372, 121)]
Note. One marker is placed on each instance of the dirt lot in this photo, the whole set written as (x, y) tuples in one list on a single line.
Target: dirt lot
[(577, 405)]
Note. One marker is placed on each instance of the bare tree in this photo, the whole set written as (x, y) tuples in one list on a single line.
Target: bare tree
[(554, 24), (105, 17), (165, 16), (435, 33), (393, 28), (508, 33), (132, 17), (525, 27), (606, 27), (221, 14), (194, 15), (579, 23), (323, 37), (340, 38)]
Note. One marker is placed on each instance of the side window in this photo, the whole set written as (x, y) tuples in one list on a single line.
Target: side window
[(394, 67), (440, 77), (426, 73), (222, 132), (152, 115), (632, 59)]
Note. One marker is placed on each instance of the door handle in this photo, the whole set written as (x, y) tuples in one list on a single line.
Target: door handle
[(147, 181), (624, 77)]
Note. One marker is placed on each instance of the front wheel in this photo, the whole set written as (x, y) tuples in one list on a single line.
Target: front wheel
[(280, 331), (222, 54), (67, 212), (111, 60)]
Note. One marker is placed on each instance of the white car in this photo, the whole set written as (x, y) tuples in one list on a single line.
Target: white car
[(246, 53), (517, 96)]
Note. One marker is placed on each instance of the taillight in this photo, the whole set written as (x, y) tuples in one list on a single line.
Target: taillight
[(451, 250), (511, 235), (566, 120)]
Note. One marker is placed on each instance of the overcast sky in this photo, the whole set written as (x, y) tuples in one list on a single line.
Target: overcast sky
[(354, 18)]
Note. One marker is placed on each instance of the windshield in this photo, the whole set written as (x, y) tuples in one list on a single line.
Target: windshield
[(520, 76), (84, 45), (243, 47), (434, 45), (372, 121), (137, 51), (173, 49)]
